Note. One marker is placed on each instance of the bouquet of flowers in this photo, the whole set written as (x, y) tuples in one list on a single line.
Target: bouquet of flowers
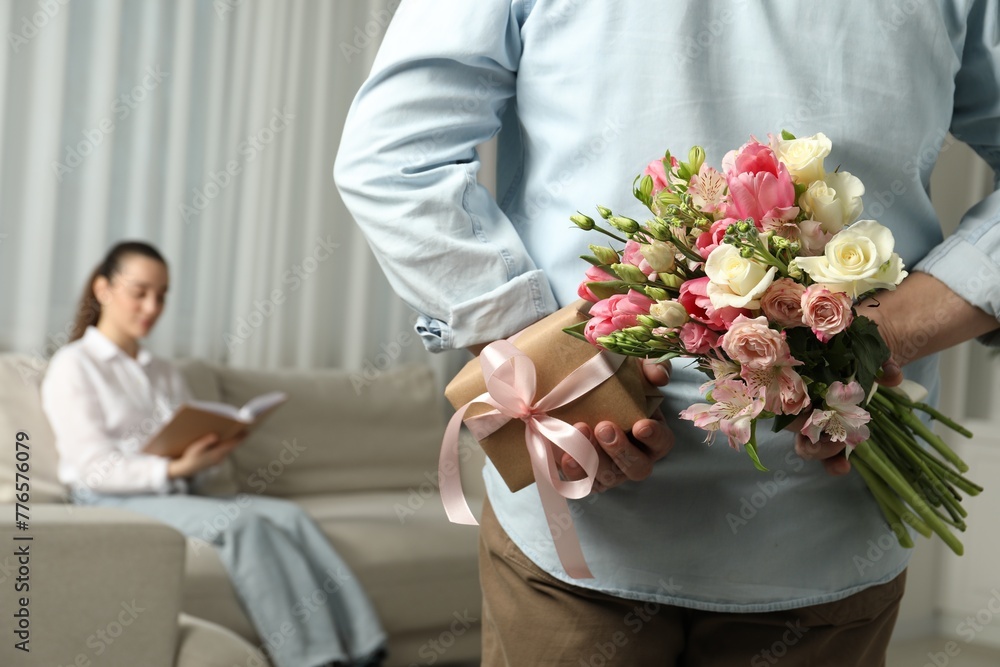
[(757, 272)]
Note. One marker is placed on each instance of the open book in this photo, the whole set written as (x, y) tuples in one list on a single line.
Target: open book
[(197, 418)]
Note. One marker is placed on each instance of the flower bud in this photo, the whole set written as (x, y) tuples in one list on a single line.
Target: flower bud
[(696, 158), (627, 225), (605, 254), (605, 212), (746, 252), (660, 255), (629, 273), (743, 226), (794, 271), (648, 321), (669, 313), (638, 333), (655, 293), (584, 222)]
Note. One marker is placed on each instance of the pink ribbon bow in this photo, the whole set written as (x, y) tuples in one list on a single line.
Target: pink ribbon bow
[(510, 388)]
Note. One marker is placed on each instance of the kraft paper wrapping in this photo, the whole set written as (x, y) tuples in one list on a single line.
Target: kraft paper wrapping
[(624, 399)]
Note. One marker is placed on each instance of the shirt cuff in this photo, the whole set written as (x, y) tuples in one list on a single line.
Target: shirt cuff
[(497, 314), (970, 273)]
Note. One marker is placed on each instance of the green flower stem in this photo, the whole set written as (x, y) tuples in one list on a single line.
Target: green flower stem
[(892, 507), (907, 418), (947, 421), (971, 488), (766, 255), (885, 427), (869, 454), (598, 228)]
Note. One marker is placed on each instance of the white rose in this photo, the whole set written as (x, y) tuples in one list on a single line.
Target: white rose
[(858, 259), (734, 280), (669, 313), (835, 201), (660, 255), (803, 157)]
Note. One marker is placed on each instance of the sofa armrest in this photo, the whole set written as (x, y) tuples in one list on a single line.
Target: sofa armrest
[(94, 586)]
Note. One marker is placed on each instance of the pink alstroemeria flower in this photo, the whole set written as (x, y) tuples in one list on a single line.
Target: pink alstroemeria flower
[(735, 406), (844, 420)]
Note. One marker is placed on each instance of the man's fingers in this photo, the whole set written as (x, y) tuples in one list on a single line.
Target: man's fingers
[(634, 463), (837, 465), (823, 449), (656, 374), (892, 374)]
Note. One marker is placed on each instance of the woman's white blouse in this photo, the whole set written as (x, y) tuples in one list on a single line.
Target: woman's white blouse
[(103, 406)]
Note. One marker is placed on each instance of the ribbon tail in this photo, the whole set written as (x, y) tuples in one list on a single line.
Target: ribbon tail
[(557, 514), (450, 474)]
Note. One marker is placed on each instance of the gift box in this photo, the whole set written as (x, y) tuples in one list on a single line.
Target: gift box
[(624, 398)]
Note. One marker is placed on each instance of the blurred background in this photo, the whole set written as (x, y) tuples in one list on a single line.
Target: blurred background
[(209, 128)]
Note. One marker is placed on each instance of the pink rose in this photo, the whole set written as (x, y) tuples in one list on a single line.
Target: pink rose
[(782, 303), (755, 345), (694, 297), (594, 275), (620, 311), (697, 338), (826, 313), (710, 239)]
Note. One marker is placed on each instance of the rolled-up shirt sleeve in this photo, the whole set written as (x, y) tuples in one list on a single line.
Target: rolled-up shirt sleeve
[(407, 165), (90, 458), (968, 261)]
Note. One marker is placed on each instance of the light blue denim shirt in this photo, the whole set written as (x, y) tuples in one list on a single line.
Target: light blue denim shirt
[(584, 93)]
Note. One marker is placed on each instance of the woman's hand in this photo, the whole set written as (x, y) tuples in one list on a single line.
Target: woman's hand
[(204, 452), (620, 457)]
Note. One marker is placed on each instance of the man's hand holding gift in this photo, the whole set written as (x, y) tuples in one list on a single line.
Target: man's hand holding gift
[(623, 458)]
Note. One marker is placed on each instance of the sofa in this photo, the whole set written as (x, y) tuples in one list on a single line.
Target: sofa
[(357, 451)]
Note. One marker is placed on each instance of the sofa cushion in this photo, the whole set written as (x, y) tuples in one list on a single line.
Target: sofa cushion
[(337, 434), (21, 410)]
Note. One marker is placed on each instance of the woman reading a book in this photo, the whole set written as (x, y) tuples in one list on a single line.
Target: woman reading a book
[(105, 395)]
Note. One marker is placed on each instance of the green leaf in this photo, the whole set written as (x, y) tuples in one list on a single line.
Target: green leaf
[(608, 288), (781, 421), (787, 136), (577, 330), (869, 350), (752, 451)]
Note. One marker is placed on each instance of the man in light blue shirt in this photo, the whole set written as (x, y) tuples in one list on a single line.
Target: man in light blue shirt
[(584, 93)]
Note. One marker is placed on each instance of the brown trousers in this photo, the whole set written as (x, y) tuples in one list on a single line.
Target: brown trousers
[(530, 618)]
